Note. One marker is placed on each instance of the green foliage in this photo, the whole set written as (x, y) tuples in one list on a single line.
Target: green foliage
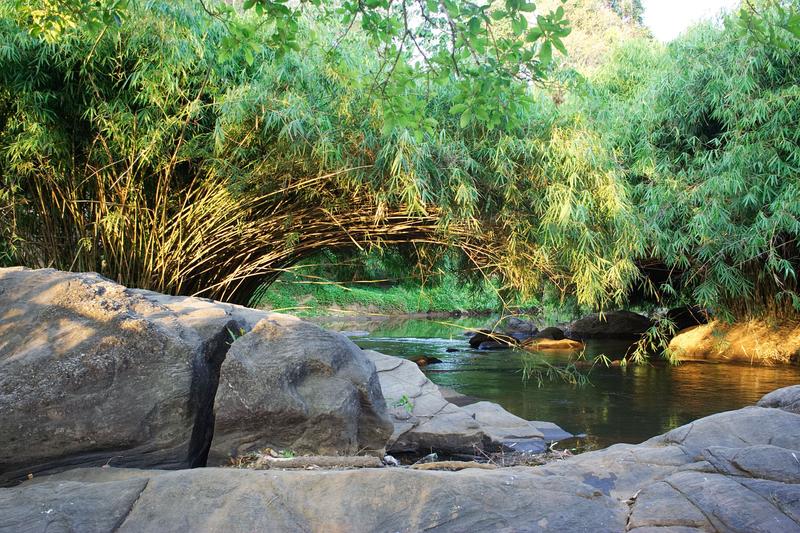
[(192, 149), (631, 10), (443, 42), (775, 23), (708, 133), (143, 153), (405, 403), (314, 296), (50, 19)]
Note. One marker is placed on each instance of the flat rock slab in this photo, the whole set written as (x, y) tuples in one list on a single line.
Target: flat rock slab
[(666, 484), (424, 420), (215, 499)]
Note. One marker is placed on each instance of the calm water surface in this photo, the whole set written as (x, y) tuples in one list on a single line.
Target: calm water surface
[(617, 405)]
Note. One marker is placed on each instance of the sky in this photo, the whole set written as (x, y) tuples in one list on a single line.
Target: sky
[(668, 18)]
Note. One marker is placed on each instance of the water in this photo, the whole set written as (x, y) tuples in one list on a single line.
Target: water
[(617, 405)]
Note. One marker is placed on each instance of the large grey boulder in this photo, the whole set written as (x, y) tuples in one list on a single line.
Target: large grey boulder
[(424, 421), (92, 373), (291, 384), (86, 377), (610, 325), (679, 482)]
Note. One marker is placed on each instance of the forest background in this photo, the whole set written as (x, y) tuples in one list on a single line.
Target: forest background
[(480, 156)]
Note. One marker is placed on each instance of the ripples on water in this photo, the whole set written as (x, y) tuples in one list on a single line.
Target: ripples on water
[(618, 405)]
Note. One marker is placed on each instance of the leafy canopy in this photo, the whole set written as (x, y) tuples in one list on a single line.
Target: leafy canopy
[(442, 42)]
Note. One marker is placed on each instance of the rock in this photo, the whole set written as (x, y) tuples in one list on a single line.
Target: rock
[(680, 481), (355, 333), (388, 460), (430, 458), (426, 360), (423, 419), (289, 384), (564, 345), (516, 326), (487, 340), (726, 504), (452, 350), (736, 429), (239, 501), (762, 461), (787, 398), (456, 398), (513, 432), (481, 336), (754, 341), (686, 317), (494, 345), (519, 337), (92, 373), (551, 333), (612, 325), (427, 421)]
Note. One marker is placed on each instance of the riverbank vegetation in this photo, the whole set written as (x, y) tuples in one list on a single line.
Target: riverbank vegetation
[(207, 151)]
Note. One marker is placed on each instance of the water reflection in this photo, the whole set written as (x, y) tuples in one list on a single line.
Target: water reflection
[(618, 405)]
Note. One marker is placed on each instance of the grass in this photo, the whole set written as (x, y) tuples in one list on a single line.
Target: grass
[(293, 294)]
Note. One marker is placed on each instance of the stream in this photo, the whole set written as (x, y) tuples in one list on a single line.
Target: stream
[(616, 404)]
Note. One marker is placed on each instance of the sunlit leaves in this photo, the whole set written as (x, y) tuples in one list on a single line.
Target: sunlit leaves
[(51, 19), (709, 133), (771, 22)]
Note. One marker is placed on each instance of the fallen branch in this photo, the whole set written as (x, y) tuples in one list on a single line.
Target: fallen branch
[(318, 461), (452, 465)]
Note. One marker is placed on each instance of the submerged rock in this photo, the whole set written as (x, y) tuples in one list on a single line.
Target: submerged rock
[(92, 373), (426, 360), (477, 338), (488, 340), (494, 345), (563, 345), (734, 471)]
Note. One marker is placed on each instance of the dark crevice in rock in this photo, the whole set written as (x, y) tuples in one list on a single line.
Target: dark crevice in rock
[(204, 391)]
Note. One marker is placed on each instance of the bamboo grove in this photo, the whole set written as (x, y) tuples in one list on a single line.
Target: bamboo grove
[(151, 153)]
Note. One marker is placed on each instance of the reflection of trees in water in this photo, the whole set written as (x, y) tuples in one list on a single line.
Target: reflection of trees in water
[(678, 395)]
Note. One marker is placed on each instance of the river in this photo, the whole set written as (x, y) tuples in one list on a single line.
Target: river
[(615, 405)]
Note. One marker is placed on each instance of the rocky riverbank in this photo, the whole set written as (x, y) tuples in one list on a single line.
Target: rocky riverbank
[(754, 341), (111, 397), (735, 471), (94, 374)]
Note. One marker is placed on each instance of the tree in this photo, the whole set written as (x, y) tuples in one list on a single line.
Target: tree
[(151, 154), (629, 10), (438, 41), (707, 132)]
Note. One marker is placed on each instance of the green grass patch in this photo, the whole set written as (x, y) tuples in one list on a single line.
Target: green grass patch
[(293, 294)]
